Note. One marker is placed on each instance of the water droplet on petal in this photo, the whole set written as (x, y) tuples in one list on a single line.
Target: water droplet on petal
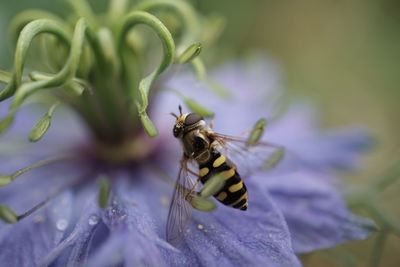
[(200, 226), (62, 224), (165, 201), (38, 219), (93, 219)]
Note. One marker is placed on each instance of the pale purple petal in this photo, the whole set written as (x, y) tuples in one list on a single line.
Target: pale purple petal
[(316, 214), (289, 207), (133, 240), (330, 149), (73, 250), (229, 237), (35, 236)]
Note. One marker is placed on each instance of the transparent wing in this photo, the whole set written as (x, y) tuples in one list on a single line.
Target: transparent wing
[(249, 159), (180, 208)]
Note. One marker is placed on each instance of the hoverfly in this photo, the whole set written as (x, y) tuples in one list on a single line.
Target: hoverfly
[(214, 154)]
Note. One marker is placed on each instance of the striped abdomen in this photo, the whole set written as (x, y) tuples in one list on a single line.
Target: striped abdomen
[(234, 192)]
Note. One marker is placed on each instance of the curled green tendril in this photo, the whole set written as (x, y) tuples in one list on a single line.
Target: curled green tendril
[(66, 74), (131, 20), (183, 10), (27, 35), (23, 18), (83, 10), (116, 9)]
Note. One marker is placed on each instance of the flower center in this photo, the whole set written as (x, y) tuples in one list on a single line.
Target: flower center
[(125, 152)]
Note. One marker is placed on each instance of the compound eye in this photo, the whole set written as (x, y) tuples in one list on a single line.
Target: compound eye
[(176, 131), (192, 118)]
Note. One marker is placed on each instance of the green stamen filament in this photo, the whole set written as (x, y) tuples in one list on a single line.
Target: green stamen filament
[(6, 179)]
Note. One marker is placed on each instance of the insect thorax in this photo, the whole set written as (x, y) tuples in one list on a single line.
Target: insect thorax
[(196, 144)]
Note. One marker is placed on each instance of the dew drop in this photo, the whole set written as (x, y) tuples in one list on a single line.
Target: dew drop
[(62, 224), (200, 226), (93, 220), (165, 201), (38, 219)]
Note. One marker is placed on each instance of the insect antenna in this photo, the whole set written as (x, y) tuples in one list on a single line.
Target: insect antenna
[(180, 109), (174, 115)]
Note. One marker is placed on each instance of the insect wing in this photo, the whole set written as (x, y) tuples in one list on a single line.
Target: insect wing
[(249, 159), (180, 209)]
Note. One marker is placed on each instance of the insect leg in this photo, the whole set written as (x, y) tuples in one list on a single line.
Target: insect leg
[(194, 185)]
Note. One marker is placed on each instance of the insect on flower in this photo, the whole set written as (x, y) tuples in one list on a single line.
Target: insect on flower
[(220, 157)]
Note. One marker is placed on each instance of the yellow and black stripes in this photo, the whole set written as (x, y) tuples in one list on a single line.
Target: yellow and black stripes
[(234, 192)]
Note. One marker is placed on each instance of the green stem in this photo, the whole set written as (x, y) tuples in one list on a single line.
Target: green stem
[(387, 223), (377, 250), (390, 177), (131, 20)]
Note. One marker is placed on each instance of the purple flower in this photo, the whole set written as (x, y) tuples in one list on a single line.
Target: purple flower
[(294, 208)]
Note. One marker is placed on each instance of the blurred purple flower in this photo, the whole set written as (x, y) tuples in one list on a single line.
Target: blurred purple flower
[(293, 209)]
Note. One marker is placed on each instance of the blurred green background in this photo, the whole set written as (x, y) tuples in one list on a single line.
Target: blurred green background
[(344, 55)]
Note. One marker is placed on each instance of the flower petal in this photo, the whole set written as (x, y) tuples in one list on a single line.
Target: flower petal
[(75, 247), (330, 149), (132, 241), (229, 237), (315, 213), (27, 242)]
